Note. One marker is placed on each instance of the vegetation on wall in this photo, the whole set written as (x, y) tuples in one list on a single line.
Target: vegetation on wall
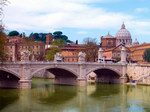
[(146, 55)]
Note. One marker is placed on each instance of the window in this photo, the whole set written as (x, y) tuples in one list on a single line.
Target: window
[(114, 54), (109, 43)]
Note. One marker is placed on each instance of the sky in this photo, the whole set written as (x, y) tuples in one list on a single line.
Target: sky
[(79, 19)]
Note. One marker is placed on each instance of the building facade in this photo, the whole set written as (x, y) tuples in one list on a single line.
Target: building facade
[(137, 52), (49, 39), (115, 53), (70, 52), (16, 45), (123, 36), (108, 42)]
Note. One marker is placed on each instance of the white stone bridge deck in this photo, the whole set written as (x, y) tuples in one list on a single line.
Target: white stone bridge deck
[(65, 72)]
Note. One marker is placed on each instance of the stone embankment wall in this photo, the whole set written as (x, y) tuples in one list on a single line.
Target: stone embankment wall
[(139, 72)]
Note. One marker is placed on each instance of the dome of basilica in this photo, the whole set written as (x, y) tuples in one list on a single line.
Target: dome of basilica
[(123, 33), (123, 36)]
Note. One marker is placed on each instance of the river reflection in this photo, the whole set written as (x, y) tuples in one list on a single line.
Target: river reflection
[(8, 97), (46, 97)]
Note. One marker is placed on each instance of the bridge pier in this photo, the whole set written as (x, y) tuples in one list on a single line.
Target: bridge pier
[(23, 84), (123, 79), (82, 81)]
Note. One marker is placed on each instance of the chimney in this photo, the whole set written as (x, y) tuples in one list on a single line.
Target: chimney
[(76, 41)]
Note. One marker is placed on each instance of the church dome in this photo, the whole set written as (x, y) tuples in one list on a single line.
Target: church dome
[(123, 33), (108, 36), (123, 36)]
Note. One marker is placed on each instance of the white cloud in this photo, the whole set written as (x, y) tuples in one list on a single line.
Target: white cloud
[(59, 13), (142, 10), (47, 15)]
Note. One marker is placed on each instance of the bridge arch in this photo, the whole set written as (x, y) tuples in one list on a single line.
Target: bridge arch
[(8, 79), (10, 72), (108, 68), (106, 75), (62, 75), (49, 67)]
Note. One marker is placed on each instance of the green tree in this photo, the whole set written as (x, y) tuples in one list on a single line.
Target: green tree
[(58, 42), (38, 36), (2, 33), (91, 49), (13, 33), (59, 35), (50, 54), (2, 44), (146, 55), (56, 47)]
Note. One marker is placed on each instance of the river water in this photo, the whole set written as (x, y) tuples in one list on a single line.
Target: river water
[(46, 97)]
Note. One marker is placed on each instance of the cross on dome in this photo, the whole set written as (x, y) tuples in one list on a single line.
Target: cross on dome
[(123, 26)]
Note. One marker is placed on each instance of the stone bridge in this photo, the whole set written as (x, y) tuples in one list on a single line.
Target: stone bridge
[(19, 74)]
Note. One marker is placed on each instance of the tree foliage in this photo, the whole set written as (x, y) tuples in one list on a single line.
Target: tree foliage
[(50, 54), (2, 44), (56, 47), (2, 4), (56, 35), (59, 35), (91, 49), (38, 36), (146, 55), (58, 42), (13, 33)]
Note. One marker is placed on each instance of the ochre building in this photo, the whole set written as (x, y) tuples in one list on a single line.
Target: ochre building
[(15, 45), (70, 52), (115, 53), (137, 52), (123, 36)]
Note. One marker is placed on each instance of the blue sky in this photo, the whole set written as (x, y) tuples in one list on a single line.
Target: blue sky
[(79, 19)]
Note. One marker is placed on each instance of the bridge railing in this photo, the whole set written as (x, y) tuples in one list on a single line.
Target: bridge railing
[(52, 62)]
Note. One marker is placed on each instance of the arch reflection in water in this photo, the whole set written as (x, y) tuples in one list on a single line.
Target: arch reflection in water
[(47, 93), (55, 98), (8, 97), (63, 76), (103, 98), (105, 75), (105, 90)]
